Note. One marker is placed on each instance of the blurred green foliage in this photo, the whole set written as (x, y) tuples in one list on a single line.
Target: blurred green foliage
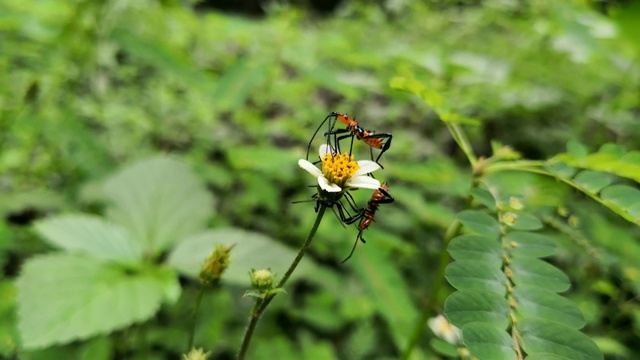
[(88, 86)]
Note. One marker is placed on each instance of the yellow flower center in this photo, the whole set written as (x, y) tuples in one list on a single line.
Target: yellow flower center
[(338, 168)]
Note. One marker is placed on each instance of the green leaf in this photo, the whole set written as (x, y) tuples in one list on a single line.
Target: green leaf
[(480, 222), (484, 197), (159, 201), (467, 306), (560, 169), (623, 196), (535, 272), (476, 247), (525, 221), (530, 244), (547, 305), (386, 287), (592, 181), (476, 275), (487, 342), (610, 158), (90, 235), (157, 53), (251, 250), (239, 82), (62, 298), (576, 149), (546, 337)]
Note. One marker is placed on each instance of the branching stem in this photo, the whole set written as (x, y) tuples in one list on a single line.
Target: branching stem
[(261, 304)]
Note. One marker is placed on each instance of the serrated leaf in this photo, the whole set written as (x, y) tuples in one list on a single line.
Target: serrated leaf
[(547, 305), (251, 250), (90, 235), (487, 342), (476, 247), (535, 272), (524, 243), (476, 275), (525, 221), (467, 306), (159, 201), (62, 298), (592, 181), (546, 337), (484, 197), (480, 222)]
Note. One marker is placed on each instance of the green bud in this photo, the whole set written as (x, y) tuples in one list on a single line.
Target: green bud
[(196, 354), (261, 280), (215, 264)]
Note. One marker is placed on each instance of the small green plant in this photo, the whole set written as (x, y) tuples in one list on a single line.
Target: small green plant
[(507, 304)]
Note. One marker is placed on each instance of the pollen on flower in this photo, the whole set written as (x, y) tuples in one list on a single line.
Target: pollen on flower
[(338, 168)]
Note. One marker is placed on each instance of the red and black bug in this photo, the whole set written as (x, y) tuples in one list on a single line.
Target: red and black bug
[(375, 140), (367, 214)]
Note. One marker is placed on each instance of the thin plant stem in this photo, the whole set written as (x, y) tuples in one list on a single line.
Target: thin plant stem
[(195, 317), (261, 304)]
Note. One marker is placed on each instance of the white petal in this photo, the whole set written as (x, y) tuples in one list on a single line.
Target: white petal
[(324, 185), (326, 149), (309, 167), (364, 182), (366, 167)]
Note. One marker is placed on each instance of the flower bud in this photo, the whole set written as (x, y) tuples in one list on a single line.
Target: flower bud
[(515, 203), (443, 329), (261, 280), (510, 218), (196, 354), (215, 265)]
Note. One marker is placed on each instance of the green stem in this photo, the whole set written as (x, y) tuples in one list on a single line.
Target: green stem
[(461, 139), (262, 304), (195, 318)]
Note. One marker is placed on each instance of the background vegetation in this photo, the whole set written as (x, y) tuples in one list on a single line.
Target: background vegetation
[(91, 86)]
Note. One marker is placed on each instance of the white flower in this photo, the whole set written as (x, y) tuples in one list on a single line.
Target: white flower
[(341, 172), (443, 329)]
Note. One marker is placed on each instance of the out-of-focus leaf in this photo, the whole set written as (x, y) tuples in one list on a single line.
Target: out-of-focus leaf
[(238, 83), (62, 298), (484, 197), (383, 281), (90, 235), (525, 221), (592, 181), (251, 250), (159, 201)]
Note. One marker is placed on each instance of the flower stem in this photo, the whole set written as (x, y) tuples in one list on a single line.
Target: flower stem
[(195, 318), (261, 304)]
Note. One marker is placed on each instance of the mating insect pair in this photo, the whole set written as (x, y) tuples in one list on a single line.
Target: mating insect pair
[(353, 130)]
